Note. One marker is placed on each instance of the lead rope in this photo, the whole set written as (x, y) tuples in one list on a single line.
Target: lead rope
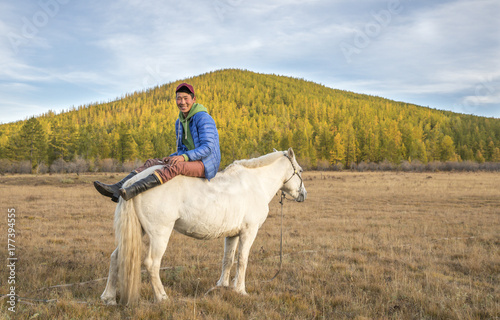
[(281, 239), (283, 197)]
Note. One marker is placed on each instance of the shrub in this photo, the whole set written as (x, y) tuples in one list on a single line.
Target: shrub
[(386, 166), (489, 166), (5, 166), (417, 166), (108, 165), (406, 166), (24, 167), (470, 165), (363, 166), (433, 166), (337, 167), (323, 165), (42, 168), (129, 166), (81, 165), (70, 167), (58, 166)]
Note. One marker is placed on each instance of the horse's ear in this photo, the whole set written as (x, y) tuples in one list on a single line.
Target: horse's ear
[(290, 153), (274, 150)]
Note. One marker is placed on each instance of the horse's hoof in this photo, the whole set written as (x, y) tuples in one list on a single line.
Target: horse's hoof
[(242, 292), (162, 298), (223, 284), (109, 301)]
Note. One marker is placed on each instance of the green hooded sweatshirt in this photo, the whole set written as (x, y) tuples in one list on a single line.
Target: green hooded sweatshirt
[(187, 140)]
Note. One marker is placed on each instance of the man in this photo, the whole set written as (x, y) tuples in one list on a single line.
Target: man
[(197, 155)]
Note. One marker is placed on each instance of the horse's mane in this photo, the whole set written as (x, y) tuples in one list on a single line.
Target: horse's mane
[(255, 162)]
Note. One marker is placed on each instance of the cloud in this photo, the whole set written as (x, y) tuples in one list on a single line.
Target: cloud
[(433, 53), (438, 49), (20, 111)]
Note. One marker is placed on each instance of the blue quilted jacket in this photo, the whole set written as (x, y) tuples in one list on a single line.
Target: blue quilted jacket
[(206, 142)]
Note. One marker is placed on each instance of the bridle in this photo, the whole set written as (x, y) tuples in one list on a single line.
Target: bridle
[(295, 172)]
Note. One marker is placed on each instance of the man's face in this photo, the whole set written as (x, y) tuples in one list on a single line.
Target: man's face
[(184, 102)]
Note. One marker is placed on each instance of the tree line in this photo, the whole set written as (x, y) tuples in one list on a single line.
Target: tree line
[(254, 113)]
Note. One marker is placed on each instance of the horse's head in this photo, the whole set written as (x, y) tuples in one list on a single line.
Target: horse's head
[(293, 185)]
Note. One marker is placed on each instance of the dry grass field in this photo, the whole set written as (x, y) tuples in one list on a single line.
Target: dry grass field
[(362, 246)]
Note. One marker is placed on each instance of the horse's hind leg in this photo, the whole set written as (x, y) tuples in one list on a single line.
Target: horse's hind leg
[(157, 246), (247, 238), (109, 294), (230, 244)]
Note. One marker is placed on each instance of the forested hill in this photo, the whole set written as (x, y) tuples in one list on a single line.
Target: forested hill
[(256, 113)]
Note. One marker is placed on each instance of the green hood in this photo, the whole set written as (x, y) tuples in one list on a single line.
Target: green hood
[(194, 110), (188, 139)]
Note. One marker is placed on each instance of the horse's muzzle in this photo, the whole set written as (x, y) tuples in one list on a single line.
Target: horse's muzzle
[(302, 195)]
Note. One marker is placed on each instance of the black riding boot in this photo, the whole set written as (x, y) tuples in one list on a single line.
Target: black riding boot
[(139, 186), (112, 190)]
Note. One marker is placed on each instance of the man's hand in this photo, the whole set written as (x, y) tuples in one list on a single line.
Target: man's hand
[(173, 160)]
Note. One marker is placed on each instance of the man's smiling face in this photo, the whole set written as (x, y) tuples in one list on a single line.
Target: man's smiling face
[(184, 102)]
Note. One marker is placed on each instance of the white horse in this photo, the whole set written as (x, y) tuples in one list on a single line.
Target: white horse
[(233, 205)]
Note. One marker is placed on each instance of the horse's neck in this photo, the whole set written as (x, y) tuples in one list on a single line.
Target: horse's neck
[(271, 177)]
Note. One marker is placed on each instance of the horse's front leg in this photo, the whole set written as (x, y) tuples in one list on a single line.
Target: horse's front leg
[(247, 238), (109, 294), (230, 244)]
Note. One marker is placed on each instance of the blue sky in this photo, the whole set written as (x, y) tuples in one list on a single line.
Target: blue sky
[(55, 54)]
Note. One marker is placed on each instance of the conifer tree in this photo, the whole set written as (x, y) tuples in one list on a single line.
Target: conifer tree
[(31, 144), (62, 141), (496, 155), (447, 149), (126, 144), (337, 153)]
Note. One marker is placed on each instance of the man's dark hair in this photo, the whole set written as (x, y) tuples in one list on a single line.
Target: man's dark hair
[(186, 90)]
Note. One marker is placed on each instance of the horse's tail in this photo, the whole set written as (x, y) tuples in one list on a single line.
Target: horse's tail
[(129, 242)]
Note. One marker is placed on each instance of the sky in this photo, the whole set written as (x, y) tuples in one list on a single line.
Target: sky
[(59, 54)]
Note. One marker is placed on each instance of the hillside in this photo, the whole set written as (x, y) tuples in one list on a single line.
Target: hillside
[(256, 113)]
